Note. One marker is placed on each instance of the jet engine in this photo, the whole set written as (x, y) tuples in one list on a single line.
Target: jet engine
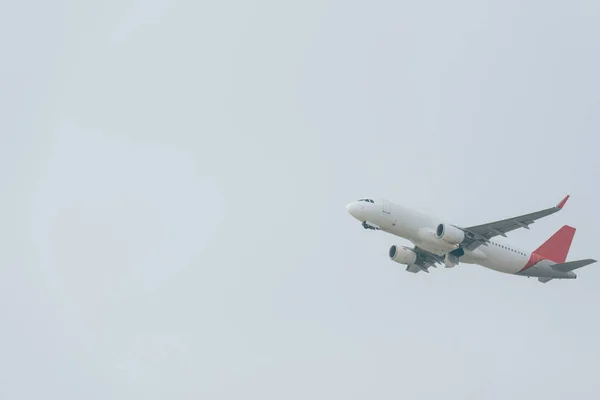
[(403, 255), (450, 234)]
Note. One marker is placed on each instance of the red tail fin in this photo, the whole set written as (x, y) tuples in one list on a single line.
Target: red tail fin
[(557, 247)]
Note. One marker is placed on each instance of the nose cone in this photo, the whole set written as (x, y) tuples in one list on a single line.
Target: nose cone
[(356, 210)]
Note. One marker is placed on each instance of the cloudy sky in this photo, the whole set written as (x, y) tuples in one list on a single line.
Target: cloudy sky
[(175, 175)]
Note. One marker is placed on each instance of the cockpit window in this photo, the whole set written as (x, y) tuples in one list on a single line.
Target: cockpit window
[(367, 200)]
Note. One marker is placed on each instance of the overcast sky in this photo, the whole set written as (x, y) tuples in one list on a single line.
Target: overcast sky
[(175, 176)]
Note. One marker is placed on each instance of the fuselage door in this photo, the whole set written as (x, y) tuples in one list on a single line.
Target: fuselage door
[(385, 206)]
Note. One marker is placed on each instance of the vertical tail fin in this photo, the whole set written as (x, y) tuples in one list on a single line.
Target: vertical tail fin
[(557, 247)]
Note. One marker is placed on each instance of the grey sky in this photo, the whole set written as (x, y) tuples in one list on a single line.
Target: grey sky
[(175, 177)]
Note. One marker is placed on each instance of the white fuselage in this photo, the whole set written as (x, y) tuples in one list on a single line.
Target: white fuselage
[(420, 228)]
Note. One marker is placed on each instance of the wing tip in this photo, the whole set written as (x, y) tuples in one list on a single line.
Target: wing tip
[(562, 203)]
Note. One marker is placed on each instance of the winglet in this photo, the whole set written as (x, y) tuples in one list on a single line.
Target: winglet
[(563, 202)]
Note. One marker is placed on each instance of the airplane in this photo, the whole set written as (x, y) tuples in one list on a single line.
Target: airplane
[(438, 242)]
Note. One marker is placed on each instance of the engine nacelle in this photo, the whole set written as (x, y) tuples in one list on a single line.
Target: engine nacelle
[(403, 255), (450, 234)]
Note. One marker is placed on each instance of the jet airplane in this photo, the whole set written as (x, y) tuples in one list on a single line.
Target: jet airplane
[(437, 242)]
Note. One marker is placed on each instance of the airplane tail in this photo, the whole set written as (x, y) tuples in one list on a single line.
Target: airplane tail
[(568, 267), (557, 247)]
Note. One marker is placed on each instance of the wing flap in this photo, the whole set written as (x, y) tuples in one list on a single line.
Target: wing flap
[(413, 268), (427, 257)]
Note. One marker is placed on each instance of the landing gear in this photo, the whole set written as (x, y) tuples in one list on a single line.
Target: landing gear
[(450, 260), (369, 226)]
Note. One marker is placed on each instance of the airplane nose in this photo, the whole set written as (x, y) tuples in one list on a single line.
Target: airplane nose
[(354, 210)]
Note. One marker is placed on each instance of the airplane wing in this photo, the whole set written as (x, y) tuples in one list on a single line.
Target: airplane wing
[(425, 260), (481, 234)]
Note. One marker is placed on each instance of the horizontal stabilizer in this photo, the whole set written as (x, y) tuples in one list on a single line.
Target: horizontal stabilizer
[(571, 265)]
